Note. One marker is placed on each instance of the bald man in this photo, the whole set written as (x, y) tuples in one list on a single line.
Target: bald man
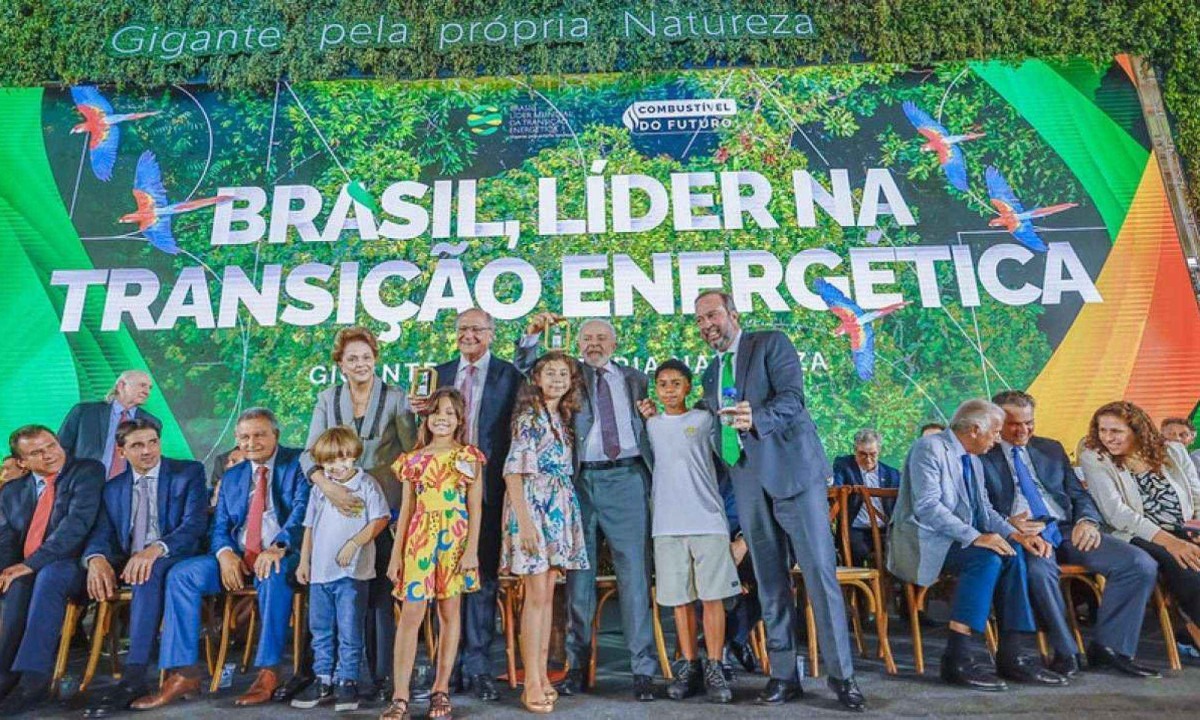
[(90, 428)]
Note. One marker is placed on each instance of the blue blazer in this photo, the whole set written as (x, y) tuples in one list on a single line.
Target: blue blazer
[(846, 472), (76, 504), (782, 450), (495, 418), (84, 431), (289, 493), (1053, 470), (182, 513)]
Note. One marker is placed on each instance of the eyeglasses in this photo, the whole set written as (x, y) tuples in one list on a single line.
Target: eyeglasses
[(474, 329)]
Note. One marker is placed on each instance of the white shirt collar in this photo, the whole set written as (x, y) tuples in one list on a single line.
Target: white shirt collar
[(481, 363), (269, 465), (1008, 448), (152, 474), (733, 346)]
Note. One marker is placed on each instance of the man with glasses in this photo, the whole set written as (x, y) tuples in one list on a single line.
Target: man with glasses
[(863, 468)]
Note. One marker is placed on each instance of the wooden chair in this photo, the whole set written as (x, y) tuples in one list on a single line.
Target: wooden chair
[(71, 620), (508, 598), (101, 631), (227, 626), (606, 589)]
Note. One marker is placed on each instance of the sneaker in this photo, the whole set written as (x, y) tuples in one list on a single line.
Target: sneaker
[(319, 693), (346, 696), (689, 680), (715, 684)]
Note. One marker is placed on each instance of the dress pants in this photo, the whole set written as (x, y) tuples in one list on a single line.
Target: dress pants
[(770, 525), (615, 501), (1129, 575), (1184, 584), (984, 578), (146, 611), (379, 630), (190, 581), (479, 608), (42, 610)]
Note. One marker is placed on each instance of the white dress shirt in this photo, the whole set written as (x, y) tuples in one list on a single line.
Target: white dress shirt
[(1020, 503), (270, 524), (593, 449), (476, 399)]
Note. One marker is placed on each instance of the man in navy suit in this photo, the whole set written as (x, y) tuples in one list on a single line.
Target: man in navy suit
[(769, 445), (1030, 480), (90, 428), (864, 469), (489, 385), (257, 530), (154, 515), (45, 518)]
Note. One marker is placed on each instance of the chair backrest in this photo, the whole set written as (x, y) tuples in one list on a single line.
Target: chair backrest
[(876, 517), (839, 521)]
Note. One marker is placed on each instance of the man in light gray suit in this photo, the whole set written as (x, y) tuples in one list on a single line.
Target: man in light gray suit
[(944, 524), (613, 464), (778, 469)]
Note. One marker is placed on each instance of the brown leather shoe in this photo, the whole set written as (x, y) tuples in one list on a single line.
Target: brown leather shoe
[(176, 687), (262, 689)]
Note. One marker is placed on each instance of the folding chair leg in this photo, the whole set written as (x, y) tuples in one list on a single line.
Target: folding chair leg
[(881, 627), (1168, 629), (660, 643), (914, 626), (510, 636), (856, 622), (814, 657), (251, 634), (1071, 619), (99, 633), (70, 620), (297, 630), (223, 648)]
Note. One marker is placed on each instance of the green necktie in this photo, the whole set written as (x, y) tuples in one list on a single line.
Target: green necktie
[(731, 450)]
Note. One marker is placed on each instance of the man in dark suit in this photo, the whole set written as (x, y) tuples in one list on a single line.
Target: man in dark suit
[(257, 530), (1030, 480), (864, 469), (154, 515), (778, 469), (489, 386), (45, 518), (90, 428), (613, 464)]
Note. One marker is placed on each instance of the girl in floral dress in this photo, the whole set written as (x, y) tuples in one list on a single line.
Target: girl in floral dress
[(435, 556), (542, 527)]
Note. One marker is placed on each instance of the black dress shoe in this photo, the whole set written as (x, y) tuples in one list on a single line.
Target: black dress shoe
[(572, 684), (1104, 658), (777, 692), (116, 700), (1065, 665), (848, 693), (744, 655), (485, 687), (643, 688), (962, 672), (297, 684), (1028, 671)]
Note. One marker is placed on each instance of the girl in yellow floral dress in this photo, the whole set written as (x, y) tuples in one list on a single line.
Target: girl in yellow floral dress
[(437, 541)]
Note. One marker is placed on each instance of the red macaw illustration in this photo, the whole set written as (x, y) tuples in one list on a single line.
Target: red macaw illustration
[(1013, 217), (855, 323), (154, 211), (100, 124), (940, 141)]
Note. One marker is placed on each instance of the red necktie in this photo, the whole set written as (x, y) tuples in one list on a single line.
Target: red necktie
[(116, 464), (41, 517), (254, 521)]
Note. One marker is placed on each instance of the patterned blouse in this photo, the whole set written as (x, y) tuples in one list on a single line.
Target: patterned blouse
[(1160, 502)]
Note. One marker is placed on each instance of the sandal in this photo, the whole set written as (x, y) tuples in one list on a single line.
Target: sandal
[(551, 694), (397, 710), (439, 707), (541, 707)]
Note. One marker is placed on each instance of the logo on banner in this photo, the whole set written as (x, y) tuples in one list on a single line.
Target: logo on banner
[(679, 116)]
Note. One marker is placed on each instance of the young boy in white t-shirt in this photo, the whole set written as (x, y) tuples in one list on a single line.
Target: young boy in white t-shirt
[(337, 559), (691, 535)]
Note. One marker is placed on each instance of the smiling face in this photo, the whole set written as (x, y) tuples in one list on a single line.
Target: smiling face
[(340, 469), (1177, 432), (1116, 436), (672, 387), (41, 454), (475, 334), (257, 439), (134, 390), (554, 380), (717, 325), (1018, 425), (358, 362), (978, 441), (142, 449), (597, 343), (443, 421)]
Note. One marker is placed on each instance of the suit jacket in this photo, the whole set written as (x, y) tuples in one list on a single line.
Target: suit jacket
[(782, 449), (289, 493), (1120, 501), (933, 510), (84, 432), (495, 418), (846, 473), (1053, 470), (637, 384), (182, 513), (389, 428), (76, 504)]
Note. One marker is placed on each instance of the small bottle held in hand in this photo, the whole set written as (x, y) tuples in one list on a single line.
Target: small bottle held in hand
[(728, 401)]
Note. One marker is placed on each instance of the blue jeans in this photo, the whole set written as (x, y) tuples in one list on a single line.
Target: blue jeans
[(335, 618)]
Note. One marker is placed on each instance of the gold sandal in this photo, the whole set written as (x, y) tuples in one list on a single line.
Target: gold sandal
[(540, 707), (397, 710)]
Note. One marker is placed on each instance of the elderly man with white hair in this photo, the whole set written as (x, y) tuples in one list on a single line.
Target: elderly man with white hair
[(613, 463), (945, 525), (90, 428)]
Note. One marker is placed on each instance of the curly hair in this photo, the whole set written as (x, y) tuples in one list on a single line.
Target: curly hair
[(424, 436), (530, 396), (345, 336), (1148, 441)]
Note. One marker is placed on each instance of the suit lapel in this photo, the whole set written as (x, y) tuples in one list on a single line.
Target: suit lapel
[(346, 405), (743, 363), (487, 410), (587, 413), (125, 504), (165, 478)]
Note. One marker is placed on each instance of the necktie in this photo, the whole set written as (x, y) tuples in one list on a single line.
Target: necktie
[(1037, 506), (731, 449), (116, 463), (609, 437), (972, 499), (141, 514), (41, 517), (468, 393), (254, 521)]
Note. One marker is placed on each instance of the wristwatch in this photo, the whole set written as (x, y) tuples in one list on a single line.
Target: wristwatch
[(279, 545)]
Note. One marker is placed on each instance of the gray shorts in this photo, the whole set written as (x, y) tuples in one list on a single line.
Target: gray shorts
[(693, 567)]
